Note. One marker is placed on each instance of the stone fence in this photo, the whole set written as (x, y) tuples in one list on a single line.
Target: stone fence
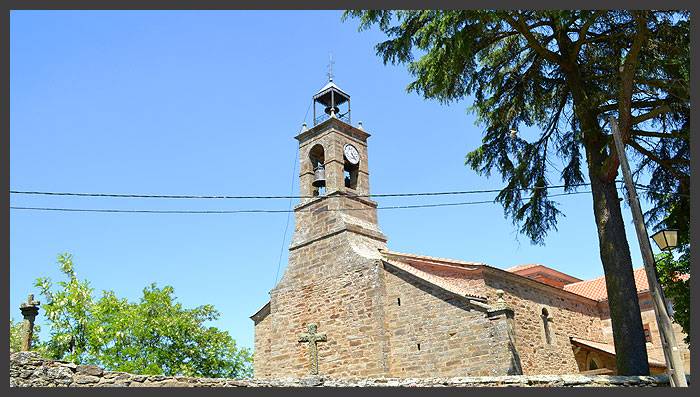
[(29, 369)]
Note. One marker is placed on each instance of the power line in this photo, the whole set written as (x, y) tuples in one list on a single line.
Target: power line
[(219, 197), (650, 189), (250, 211), (260, 197)]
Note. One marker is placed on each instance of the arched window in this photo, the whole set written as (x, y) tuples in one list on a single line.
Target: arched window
[(546, 319), (317, 159), (350, 173), (592, 364)]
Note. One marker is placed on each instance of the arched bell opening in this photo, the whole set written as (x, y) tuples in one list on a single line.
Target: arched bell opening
[(350, 173), (317, 159)]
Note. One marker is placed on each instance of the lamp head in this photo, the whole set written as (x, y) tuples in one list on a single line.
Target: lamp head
[(666, 239)]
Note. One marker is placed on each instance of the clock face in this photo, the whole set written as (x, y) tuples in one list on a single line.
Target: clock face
[(351, 154)]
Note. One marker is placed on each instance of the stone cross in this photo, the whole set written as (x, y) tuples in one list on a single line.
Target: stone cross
[(29, 309), (311, 337)]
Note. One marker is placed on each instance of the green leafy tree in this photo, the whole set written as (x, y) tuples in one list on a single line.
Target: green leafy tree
[(16, 337), (155, 336), (676, 287), (563, 74), (68, 311)]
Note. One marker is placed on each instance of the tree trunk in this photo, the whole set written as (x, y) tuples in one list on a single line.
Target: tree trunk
[(626, 318), (628, 332)]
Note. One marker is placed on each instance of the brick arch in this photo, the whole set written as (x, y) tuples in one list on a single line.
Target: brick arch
[(317, 154), (593, 363)]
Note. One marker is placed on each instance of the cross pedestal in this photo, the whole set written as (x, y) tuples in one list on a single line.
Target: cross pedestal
[(312, 338), (29, 309)]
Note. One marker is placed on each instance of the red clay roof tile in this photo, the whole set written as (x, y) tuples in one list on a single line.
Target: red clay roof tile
[(592, 289), (610, 349), (595, 288)]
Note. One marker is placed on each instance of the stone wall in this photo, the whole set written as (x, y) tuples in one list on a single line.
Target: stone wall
[(570, 315), (432, 331), (333, 284), (30, 370), (654, 348), (263, 346), (332, 135), (332, 277)]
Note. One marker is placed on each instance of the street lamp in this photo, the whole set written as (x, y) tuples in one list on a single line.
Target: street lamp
[(666, 239)]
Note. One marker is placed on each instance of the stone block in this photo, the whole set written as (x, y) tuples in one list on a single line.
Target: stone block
[(89, 370), (82, 379)]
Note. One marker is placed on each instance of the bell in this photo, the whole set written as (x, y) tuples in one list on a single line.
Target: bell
[(319, 176), (331, 111)]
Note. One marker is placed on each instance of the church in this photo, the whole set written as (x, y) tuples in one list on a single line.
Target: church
[(348, 306)]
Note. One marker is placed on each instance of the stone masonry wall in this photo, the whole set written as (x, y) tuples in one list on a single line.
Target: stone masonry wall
[(332, 277), (431, 331), (263, 347), (30, 370), (333, 135), (654, 348), (333, 284), (570, 316)]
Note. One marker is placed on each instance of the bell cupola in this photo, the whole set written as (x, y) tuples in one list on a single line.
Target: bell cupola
[(334, 102)]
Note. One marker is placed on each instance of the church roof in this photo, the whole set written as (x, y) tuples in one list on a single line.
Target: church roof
[(406, 256), (443, 281), (453, 275), (544, 274), (610, 349), (261, 313), (323, 94), (460, 276), (596, 290), (518, 268)]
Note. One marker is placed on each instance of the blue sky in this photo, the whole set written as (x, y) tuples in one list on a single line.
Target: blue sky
[(178, 102)]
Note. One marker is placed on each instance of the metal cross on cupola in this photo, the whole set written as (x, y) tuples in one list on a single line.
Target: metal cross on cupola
[(330, 67), (336, 103)]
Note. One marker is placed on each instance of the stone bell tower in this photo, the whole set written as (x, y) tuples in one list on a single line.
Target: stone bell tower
[(332, 281), (334, 173)]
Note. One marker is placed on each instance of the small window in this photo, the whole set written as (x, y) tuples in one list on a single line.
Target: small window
[(647, 333), (419, 347), (398, 301)]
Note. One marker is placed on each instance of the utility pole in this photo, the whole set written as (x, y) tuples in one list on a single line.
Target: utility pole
[(674, 364)]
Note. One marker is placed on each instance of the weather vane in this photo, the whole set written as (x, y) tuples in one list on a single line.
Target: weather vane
[(330, 67)]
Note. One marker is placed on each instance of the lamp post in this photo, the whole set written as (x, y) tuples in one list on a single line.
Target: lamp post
[(666, 239), (674, 363)]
